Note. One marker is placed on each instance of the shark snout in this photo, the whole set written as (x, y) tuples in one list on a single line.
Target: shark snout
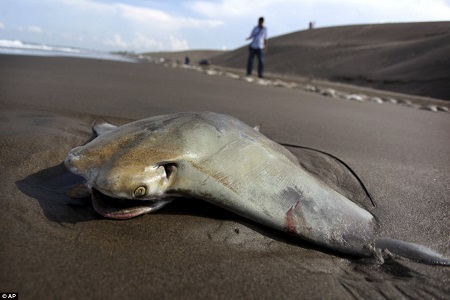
[(72, 160), (80, 164)]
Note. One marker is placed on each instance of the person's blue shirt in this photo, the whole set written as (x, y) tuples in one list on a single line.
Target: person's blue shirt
[(258, 35)]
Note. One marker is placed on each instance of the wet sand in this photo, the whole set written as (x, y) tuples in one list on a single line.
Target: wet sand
[(56, 247)]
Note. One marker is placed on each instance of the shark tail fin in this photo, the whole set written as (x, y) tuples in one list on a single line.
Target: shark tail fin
[(411, 251)]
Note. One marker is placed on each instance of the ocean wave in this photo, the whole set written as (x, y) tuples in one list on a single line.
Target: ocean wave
[(17, 47), (16, 44)]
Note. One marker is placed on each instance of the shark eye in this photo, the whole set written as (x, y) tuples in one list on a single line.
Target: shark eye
[(139, 192)]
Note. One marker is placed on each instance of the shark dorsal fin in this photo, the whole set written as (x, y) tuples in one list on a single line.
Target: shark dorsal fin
[(100, 127)]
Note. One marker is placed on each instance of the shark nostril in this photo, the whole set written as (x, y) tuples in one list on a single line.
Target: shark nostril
[(69, 160)]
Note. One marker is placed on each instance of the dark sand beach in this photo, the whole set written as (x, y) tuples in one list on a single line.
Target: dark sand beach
[(54, 247)]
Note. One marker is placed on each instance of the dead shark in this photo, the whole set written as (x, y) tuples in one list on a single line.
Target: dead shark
[(142, 166)]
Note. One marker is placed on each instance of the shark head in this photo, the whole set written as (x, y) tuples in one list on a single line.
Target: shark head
[(127, 174)]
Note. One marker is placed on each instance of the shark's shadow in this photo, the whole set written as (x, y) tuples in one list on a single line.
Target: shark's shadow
[(49, 187)]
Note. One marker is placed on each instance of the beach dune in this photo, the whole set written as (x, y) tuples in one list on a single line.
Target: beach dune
[(409, 58)]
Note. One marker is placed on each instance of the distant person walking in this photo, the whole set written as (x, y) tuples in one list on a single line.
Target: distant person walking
[(257, 47)]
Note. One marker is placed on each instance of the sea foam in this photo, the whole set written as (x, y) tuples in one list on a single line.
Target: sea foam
[(17, 47)]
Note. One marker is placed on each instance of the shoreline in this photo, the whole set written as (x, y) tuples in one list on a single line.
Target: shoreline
[(76, 53)]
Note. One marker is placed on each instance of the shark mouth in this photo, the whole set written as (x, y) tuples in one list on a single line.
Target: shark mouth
[(115, 208)]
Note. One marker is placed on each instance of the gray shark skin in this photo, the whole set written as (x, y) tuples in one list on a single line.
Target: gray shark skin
[(142, 166)]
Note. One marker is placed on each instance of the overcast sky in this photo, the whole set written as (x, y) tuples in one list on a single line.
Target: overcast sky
[(139, 25)]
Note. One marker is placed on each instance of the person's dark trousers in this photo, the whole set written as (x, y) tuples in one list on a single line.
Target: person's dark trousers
[(260, 56)]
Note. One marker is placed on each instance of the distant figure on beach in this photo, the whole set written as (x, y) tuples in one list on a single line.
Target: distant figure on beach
[(187, 60), (257, 47), (311, 25)]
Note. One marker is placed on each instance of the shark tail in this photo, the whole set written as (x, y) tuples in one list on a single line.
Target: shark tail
[(411, 251)]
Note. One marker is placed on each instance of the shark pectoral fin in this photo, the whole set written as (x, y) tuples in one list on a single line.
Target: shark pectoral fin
[(411, 251), (334, 172), (100, 127), (257, 127)]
